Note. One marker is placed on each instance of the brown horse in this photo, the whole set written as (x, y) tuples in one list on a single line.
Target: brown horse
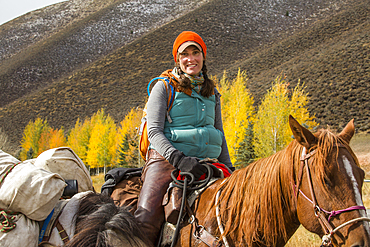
[(92, 219), (315, 181), (99, 222)]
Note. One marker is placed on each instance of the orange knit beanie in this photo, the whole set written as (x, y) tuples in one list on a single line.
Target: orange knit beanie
[(187, 36)]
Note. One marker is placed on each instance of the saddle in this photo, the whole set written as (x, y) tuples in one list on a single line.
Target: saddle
[(172, 198), (124, 185)]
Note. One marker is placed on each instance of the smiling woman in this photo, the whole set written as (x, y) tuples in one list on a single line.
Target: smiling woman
[(183, 135), (191, 60)]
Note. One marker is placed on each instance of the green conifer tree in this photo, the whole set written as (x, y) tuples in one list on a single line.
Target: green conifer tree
[(30, 153), (123, 148), (245, 153)]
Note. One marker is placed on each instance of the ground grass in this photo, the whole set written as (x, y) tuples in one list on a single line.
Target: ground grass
[(98, 181), (304, 238), (360, 144)]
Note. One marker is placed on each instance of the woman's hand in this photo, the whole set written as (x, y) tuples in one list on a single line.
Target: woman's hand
[(187, 164)]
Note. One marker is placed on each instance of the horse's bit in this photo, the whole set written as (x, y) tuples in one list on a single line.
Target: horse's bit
[(319, 212)]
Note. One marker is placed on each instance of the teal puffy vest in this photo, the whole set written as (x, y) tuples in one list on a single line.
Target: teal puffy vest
[(192, 128)]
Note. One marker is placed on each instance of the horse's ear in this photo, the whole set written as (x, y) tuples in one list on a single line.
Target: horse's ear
[(348, 131), (301, 134)]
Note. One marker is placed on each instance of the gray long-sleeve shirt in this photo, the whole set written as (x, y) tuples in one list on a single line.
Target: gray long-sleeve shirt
[(156, 115)]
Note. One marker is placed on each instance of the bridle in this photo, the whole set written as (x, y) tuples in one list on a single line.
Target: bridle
[(319, 212)]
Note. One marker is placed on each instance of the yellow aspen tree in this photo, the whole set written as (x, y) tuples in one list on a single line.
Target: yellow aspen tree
[(237, 111), (99, 152), (112, 146), (57, 138), (44, 141), (108, 150), (72, 138), (51, 138), (31, 138), (97, 129), (93, 148), (298, 109), (79, 138), (271, 128)]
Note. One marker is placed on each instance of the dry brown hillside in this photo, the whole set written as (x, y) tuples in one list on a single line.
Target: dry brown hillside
[(70, 75), (332, 58)]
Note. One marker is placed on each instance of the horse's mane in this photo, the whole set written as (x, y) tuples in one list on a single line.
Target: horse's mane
[(99, 222), (259, 208)]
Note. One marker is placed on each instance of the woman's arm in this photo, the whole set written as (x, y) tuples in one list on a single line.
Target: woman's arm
[(156, 115), (224, 156)]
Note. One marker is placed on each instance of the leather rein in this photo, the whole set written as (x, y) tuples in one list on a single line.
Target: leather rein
[(320, 212)]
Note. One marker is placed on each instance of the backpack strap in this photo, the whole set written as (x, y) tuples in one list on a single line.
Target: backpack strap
[(171, 97)]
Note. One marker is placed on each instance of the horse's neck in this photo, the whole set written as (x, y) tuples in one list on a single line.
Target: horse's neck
[(288, 171), (267, 180)]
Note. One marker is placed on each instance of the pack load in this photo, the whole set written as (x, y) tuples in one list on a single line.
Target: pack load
[(143, 131), (65, 162), (27, 189), (25, 233)]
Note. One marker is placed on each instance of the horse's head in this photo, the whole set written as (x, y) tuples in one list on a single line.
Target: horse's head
[(328, 183)]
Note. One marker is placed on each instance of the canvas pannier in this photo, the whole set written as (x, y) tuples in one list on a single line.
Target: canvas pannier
[(28, 189), (24, 234), (66, 163)]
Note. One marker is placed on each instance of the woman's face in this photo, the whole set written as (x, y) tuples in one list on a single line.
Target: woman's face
[(191, 60)]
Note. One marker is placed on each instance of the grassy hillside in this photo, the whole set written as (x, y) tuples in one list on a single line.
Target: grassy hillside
[(321, 43)]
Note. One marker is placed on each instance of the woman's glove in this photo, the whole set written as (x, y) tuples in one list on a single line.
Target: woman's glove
[(187, 164)]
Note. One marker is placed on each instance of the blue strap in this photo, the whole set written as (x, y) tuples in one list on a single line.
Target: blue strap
[(157, 78), (173, 96), (168, 82), (45, 225)]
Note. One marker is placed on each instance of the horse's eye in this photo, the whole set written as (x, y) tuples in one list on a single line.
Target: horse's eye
[(327, 182)]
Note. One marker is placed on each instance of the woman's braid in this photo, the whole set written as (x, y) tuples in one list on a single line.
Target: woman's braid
[(184, 82), (208, 85)]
